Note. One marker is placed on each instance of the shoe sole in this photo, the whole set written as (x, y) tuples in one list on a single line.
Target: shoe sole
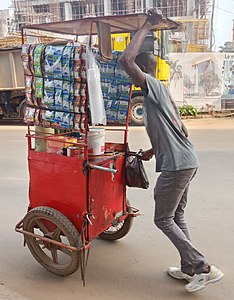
[(179, 278), (220, 276)]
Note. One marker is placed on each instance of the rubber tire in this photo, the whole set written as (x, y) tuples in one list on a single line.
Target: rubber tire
[(68, 230), (127, 225), (135, 120), (22, 109)]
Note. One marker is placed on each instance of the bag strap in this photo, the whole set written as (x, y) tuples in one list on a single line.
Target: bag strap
[(133, 153)]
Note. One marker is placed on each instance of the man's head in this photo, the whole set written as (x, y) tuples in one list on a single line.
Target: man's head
[(146, 61)]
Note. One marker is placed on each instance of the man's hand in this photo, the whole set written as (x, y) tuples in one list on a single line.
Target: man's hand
[(154, 16), (147, 155), (127, 59)]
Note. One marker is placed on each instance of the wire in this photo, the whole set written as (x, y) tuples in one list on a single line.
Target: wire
[(228, 11)]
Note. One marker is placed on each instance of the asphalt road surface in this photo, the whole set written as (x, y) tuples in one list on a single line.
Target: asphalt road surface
[(134, 267)]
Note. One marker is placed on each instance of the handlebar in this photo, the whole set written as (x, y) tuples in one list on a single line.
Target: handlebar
[(113, 171)]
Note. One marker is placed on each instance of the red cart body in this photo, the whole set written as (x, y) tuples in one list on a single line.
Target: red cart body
[(59, 182)]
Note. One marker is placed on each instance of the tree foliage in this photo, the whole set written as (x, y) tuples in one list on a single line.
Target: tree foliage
[(228, 47)]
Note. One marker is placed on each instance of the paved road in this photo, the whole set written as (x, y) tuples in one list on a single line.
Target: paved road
[(134, 267)]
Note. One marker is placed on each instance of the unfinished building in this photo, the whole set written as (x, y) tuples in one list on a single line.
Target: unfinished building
[(196, 16)]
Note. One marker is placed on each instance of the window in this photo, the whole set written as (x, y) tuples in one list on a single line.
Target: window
[(118, 7), (62, 11), (78, 9), (140, 6), (99, 8), (44, 8)]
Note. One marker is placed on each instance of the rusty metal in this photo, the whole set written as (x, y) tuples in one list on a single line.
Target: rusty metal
[(133, 215), (47, 239), (62, 245), (135, 212)]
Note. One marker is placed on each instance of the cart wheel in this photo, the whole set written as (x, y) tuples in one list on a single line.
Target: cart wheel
[(120, 229), (50, 223)]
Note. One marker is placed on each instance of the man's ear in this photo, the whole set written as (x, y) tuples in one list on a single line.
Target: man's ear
[(143, 68)]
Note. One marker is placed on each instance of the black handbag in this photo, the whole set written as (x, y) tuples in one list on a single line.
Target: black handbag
[(135, 174)]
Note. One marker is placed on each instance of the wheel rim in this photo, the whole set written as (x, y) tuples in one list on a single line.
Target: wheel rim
[(52, 255), (114, 228), (137, 111)]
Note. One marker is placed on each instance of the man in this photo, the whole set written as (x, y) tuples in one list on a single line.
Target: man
[(175, 159)]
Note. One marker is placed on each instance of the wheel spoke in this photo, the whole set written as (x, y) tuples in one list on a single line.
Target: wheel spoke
[(56, 234), (65, 250), (39, 242), (42, 227), (54, 255)]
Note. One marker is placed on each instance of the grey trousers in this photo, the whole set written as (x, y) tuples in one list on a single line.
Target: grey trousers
[(170, 196)]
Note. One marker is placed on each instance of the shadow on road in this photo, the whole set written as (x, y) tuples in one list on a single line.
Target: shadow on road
[(13, 122)]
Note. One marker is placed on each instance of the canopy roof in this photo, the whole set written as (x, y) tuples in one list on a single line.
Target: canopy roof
[(119, 23)]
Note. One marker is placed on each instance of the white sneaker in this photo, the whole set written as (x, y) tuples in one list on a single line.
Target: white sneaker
[(199, 281), (178, 274)]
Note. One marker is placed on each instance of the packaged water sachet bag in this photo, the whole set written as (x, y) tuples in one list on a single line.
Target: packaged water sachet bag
[(66, 58), (37, 59), (57, 62), (49, 93), (58, 98)]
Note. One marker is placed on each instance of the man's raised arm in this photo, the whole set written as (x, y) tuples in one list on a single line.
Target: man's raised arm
[(127, 59)]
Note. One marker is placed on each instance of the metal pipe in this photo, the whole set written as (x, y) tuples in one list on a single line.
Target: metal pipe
[(47, 239), (103, 169)]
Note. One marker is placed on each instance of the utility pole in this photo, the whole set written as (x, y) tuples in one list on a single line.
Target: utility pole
[(233, 31), (212, 25)]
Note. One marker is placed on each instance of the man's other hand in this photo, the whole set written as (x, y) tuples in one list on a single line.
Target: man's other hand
[(147, 155)]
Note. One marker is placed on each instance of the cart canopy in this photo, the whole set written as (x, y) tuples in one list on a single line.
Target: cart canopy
[(119, 24)]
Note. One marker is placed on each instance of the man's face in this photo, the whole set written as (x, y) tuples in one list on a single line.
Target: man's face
[(151, 68)]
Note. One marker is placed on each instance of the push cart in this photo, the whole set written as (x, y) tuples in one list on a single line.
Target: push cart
[(74, 199)]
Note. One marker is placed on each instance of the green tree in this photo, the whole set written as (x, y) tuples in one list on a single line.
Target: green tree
[(228, 47)]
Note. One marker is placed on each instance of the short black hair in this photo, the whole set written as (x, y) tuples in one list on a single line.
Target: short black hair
[(143, 59)]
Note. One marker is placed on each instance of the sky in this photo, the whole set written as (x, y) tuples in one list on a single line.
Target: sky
[(5, 4), (224, 14), (223, 22)]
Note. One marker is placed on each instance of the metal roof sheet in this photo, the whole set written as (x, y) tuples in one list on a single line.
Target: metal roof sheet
[(119, 23)]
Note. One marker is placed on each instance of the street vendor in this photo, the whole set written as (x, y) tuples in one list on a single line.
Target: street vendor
[(175, 159)]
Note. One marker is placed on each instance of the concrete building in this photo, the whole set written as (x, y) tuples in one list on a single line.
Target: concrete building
[(7, 22), (196, 33), (39, 10)]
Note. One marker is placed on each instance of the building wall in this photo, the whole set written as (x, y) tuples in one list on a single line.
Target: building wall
[(204, 80), (7, 22), (65, 9), (193, 13)]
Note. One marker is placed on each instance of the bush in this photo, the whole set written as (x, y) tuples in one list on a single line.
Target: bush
[(187, 110)]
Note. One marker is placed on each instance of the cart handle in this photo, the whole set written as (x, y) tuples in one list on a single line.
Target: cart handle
[(114, 171)]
